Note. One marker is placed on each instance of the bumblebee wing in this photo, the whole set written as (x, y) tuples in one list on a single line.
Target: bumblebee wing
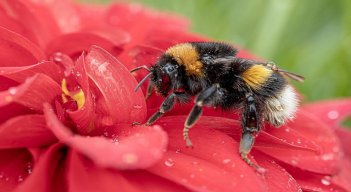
[(293, 76), (270, 65)]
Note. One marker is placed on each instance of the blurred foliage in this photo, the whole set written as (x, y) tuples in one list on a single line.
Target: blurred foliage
[(311, 38)]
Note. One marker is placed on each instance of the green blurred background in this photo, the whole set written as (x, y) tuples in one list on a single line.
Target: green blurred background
[(311, 38)]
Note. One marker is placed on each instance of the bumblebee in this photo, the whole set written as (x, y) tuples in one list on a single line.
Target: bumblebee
[(211, 72)]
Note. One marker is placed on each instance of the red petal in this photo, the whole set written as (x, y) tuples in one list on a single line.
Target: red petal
[(116, 86), (12, 45), (15, 166), (331, 112), (84, 117), (125, 153), (277, 178), (149, 182), (310, 181), (48, 173), (343, 177), (344, 135), (83, 175), (32, 93), (74, 44), (37, 23), (215, 155), (20, 74), (316, 131), (25, 131)]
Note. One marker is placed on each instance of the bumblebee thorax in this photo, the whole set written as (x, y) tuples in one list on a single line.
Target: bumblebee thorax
[(186, 55)]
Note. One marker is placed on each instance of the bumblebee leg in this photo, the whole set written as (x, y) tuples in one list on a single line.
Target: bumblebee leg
[(250, 126), (167, 105), (149, 90), (202, 98)]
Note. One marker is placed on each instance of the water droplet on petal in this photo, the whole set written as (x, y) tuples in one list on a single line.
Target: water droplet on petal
[(333, 114), (241, 175), (137, 106), (287, 130), (178, 151), (130, 158), (20, 178), (7, 178), (225, 161), (169, 162), (298, 141), (1, 175), (12, 90), (29, 168), (195, 163), (192, 176), (294, 162), (326, 180), (105, 134), (327, 157)]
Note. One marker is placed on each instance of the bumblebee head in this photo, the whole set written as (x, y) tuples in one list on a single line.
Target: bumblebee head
[(164, 74)]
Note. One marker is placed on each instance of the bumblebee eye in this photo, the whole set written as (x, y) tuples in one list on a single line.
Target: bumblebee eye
[(169, 68)]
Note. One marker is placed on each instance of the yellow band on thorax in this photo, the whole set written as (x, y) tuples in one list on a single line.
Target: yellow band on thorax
[(256, 76), (185, 54)]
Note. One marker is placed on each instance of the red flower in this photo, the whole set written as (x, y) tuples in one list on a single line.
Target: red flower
[(66, 116)]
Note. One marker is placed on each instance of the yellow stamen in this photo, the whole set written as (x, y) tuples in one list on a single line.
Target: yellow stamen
[(79, 96)]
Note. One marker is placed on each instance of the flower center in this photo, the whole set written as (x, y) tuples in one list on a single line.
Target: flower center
[(67, 95)]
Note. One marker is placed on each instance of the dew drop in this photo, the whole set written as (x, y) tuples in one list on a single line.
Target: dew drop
[(333, 114), (223, 142), (178, 151), (326, 180), (195, 163), (226, 161), (137, 106), (12, 90), (20, 178), (1, 175), (7, 178), (29, 168), (214, 154), (57, 57), (241, 176), (327, 157), (192, 176), (169, 162), (298, 141), (105, 134), (287, 130), (294, 162)]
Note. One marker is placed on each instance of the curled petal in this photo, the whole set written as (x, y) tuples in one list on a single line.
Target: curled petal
[(36, 22), (121, 152), (74, 44), (15, 166), (48, 174), (114, 87), (84, 175), (32, 93), (83, 117), (25, 131), (20, 74), (330, 112), (12, 45)]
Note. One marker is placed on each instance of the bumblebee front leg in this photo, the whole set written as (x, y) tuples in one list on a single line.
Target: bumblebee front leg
[(167, 105), (202, 99), (250, 127)]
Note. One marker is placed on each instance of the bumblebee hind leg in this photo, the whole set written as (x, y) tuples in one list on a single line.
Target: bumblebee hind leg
[(250, 127), (203, 98)]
